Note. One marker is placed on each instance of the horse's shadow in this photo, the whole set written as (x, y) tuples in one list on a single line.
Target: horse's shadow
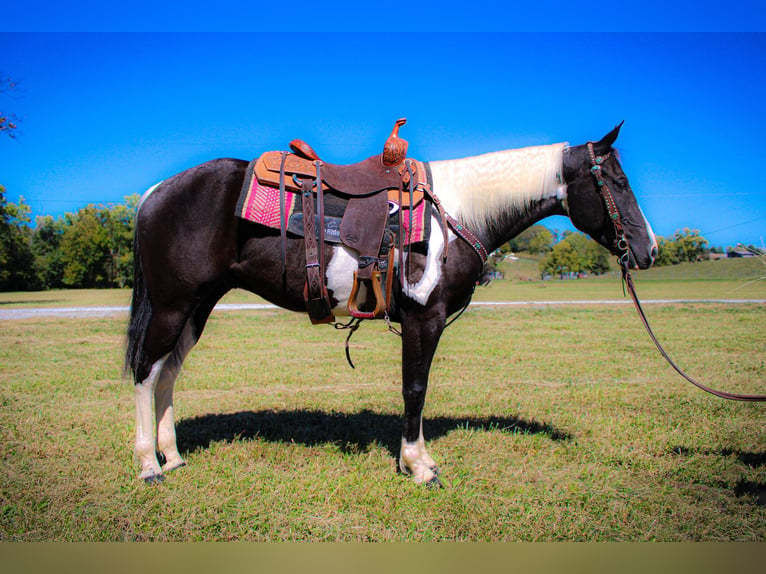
[(352, 432), (750, 459), (356, 432)]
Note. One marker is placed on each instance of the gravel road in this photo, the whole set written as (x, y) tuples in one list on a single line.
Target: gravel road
[(78, 312)]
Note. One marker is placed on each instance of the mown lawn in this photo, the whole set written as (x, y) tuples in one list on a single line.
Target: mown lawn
[(549, 423)]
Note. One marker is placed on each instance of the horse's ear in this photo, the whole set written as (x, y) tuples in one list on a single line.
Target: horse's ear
[(608, 140)]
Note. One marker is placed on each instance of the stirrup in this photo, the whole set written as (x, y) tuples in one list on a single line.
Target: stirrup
[(319, 310), (380, 300)]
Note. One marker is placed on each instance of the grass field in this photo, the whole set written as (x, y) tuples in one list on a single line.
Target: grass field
[(549, 423)]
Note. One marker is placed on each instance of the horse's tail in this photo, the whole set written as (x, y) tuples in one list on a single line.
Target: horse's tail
[(140, 313)]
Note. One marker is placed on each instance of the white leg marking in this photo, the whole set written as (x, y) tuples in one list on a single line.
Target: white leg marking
[(425, 457), (163, 400), (415, 460), (145, 440)]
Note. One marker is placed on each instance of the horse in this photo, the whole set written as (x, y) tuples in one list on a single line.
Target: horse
[(191, 248)]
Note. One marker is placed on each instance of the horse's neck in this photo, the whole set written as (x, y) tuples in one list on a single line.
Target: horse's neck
[(497, 195)]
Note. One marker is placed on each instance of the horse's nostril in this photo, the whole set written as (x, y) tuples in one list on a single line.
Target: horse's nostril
[(654, 253)]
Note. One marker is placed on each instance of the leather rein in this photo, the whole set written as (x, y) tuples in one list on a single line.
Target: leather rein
[(622, 248)]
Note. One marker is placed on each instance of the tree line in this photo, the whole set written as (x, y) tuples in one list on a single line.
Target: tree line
[(90, 248), (572, 254)]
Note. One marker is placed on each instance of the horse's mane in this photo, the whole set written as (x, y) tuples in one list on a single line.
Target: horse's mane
[(476, 189)]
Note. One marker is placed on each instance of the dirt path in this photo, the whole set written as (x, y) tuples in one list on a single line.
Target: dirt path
[(79, 312)]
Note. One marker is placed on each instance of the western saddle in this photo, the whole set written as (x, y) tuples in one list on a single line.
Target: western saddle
[(368, 186)]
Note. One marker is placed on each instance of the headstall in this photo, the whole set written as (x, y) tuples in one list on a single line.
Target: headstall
[(620, 242)]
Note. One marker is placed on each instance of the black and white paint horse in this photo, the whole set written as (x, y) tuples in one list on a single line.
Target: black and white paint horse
[(190, 249)]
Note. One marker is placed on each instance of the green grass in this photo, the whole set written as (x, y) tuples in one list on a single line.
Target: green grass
[(724, 279), (549, 423)]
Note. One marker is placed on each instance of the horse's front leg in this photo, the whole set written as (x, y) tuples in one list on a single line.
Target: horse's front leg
[(420, 336)]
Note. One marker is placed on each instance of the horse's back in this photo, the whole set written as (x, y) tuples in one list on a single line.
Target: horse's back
[(187, 193)]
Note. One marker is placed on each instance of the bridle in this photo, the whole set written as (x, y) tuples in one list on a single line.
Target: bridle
[(620, 242), (622, 250)]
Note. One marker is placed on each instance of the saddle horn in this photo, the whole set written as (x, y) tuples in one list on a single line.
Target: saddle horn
[(304, 150), (395, 149)]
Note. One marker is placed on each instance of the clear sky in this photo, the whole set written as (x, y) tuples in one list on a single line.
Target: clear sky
[(105, 115)]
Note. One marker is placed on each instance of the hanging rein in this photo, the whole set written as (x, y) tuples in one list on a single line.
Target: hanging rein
[(622, 248)]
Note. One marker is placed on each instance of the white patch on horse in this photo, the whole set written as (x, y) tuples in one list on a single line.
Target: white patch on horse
[(344, 261), (561, 195), (475, 189), (340, 277), (145, 437), (163, 400), (147, 193), (155, 395), (653, 244), (422, 290), (415, 460)]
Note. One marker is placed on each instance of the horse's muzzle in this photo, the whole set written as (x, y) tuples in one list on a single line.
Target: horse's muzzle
[(642, 260)]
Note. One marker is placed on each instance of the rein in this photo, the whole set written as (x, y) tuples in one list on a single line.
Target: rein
[(621, 245)]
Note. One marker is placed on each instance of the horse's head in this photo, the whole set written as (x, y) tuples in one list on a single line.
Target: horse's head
[(599, 195)]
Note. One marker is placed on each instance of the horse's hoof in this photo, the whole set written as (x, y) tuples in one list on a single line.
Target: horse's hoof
[(172, 468), (434, 482), (154, 479)]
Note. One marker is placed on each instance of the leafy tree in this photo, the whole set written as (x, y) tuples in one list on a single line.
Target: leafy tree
[(576, 253), (563, 259), (691, 244), (598, 258), (579, 243), (96, 245), (16, 258), (119, 221), (667, 252), (541, 242), (536, 239), (686, 245), (85, 249), (46, 246)]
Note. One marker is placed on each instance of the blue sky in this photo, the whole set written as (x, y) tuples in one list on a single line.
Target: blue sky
[(105, 115)]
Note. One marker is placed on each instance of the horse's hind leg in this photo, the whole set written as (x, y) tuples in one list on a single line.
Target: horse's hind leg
[(156, 390), (145, 435), (163, 400)]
